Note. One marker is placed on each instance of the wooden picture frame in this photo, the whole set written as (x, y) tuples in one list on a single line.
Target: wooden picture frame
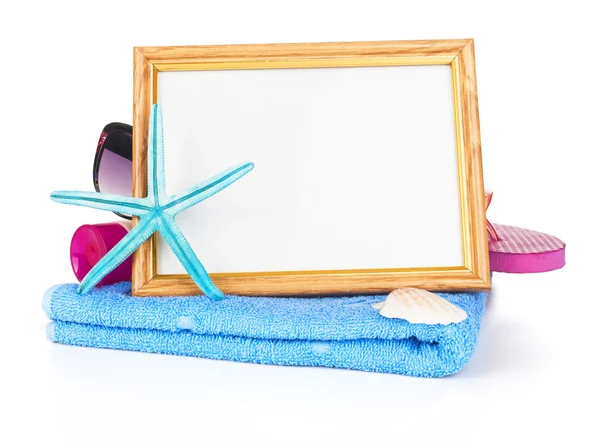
[(473, 274)]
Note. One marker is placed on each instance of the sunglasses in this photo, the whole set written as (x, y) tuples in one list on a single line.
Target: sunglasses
[(112, 163)]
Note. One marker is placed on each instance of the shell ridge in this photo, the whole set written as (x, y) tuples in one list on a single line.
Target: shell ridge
[(420, 306)]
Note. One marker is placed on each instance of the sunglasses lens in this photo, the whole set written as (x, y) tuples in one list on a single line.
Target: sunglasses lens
[(114, 169)]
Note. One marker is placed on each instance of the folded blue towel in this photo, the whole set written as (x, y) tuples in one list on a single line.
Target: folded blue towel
[(342, 332)]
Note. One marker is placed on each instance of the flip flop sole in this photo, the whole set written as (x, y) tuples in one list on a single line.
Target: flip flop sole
[(519, 250)]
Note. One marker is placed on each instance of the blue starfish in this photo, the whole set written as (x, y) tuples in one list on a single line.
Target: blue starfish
[(156, 212)]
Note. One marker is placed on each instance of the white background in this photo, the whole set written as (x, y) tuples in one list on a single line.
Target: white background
[(66, 71), (355, 167)]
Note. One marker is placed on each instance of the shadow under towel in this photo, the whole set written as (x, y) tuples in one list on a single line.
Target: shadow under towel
[(341, 332)]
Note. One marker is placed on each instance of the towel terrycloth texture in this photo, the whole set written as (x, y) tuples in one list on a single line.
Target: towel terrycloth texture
[(341, 332)]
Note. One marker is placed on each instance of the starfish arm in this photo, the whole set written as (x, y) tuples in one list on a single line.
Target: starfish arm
[(156, 157), (183, 251), (117, 255), (109, 202), (206, 189)]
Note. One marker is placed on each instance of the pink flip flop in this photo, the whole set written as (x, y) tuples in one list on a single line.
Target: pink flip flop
[(518, 250)]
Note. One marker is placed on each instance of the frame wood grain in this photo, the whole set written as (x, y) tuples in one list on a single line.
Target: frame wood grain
[(459, 54)]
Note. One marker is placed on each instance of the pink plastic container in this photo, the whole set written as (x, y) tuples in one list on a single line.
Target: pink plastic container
[(91, 242)]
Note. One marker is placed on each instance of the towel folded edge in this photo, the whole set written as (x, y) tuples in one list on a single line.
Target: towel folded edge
[(335, 354), (449, 366)]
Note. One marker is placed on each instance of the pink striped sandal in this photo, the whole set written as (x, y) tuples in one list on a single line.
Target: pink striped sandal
[(518, 250)]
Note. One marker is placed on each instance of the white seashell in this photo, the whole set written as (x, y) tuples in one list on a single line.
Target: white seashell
[(378, 306), (420, 306)]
